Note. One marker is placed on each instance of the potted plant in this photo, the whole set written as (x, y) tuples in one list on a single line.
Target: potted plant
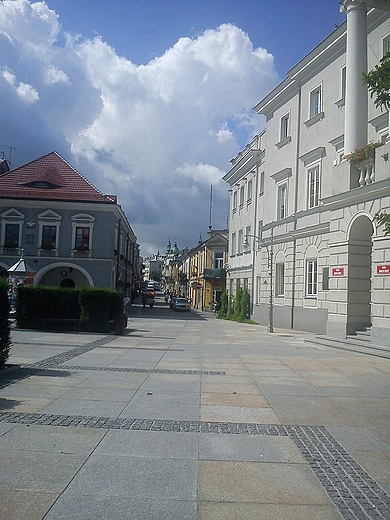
[(362, 154)]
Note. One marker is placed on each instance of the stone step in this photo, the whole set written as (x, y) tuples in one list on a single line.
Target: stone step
[(361, 335), (353, 345)]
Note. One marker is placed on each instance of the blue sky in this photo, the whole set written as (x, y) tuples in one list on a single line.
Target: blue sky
[(149, 99)]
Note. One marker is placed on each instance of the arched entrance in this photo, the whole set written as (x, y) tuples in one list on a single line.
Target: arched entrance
[(64, 275), (359, 273)]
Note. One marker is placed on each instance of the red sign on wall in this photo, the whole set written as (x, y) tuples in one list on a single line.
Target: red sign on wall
[(337, 271), (383, 269)]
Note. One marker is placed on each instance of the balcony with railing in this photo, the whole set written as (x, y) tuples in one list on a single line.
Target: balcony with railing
[(214, 274)]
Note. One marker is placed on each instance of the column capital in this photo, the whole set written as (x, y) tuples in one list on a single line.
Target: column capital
[(348, 5)]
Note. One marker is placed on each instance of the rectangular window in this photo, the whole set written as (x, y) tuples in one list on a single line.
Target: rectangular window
[(11, 239), (311, 278), (218, 260), (386, 45), (82, 239), (262, 176), (314, 187), (325, 279), (279, 280), (249, 194), (258, 289), (240, 241), (49, 235), (235, 200), (315, 101), (248, 238), (343, 81), (259, 234), (285, 127), (242, 195), (282, 202), (233, 245)]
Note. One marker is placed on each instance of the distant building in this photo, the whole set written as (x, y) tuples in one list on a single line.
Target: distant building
[(299, 209), (201, 272), (71, 234)]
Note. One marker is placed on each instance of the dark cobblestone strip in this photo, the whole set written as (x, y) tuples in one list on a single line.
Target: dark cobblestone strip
[(144, 424), (53, 361), (142, 370), (354, 493)]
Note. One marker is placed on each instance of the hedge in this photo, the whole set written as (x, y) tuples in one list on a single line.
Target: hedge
[(96, 309)]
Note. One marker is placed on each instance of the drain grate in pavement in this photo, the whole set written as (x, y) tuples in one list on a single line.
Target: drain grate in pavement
[(353, 492)]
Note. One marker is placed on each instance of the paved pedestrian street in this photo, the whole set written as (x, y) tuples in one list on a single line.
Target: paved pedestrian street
[(189, 417)]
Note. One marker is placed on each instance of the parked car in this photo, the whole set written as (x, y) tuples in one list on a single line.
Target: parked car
[(181, 304)]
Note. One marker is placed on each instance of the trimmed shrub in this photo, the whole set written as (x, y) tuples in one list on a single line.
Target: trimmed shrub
[(95, 308), (36, 303), (5, 326), (98, 308)]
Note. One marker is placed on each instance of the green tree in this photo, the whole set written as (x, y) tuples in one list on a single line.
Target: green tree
[(238, 304), (383, 219), (230, 308), (378, 83), (224, 305)]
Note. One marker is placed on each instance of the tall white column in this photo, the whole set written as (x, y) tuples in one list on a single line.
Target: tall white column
[(356, 97)]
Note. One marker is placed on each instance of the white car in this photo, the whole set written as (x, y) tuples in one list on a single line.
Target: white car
[(181, 304)]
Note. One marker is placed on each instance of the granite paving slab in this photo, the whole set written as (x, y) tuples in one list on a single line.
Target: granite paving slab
[(156, 444), (16, 504), (137, 478), (84, 507), (259, 483)]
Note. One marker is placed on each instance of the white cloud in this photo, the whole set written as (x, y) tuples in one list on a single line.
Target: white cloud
[(157, 134), (202, 173), (26, 92)]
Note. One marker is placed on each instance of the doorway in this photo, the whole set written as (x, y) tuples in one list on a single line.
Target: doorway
[(359, 274)]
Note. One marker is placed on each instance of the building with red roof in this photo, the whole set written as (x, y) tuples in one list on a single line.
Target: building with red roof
[(70, 233)]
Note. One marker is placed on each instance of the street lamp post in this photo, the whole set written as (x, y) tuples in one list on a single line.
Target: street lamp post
[(270, 255)]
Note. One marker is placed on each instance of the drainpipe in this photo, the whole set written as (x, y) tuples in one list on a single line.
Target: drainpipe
[(255, 232), (294, 259)]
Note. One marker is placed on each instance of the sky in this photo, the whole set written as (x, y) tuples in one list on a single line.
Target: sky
[(149, 99)]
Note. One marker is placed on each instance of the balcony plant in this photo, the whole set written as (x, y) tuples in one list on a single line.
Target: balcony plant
[(362, 154)]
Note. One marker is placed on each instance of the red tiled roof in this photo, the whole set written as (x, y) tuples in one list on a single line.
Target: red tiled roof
[(50, 178)]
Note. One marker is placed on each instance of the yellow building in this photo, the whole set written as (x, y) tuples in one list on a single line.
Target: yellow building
[(203, 268)]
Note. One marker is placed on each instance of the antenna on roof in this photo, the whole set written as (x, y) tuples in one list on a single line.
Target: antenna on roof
[(211, 205), (10, 151)]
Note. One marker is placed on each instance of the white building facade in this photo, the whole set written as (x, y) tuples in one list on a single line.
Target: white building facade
[(308, 213)]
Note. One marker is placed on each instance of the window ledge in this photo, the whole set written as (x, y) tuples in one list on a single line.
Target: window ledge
[(340, 103), (283, 142), (313, 120)]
